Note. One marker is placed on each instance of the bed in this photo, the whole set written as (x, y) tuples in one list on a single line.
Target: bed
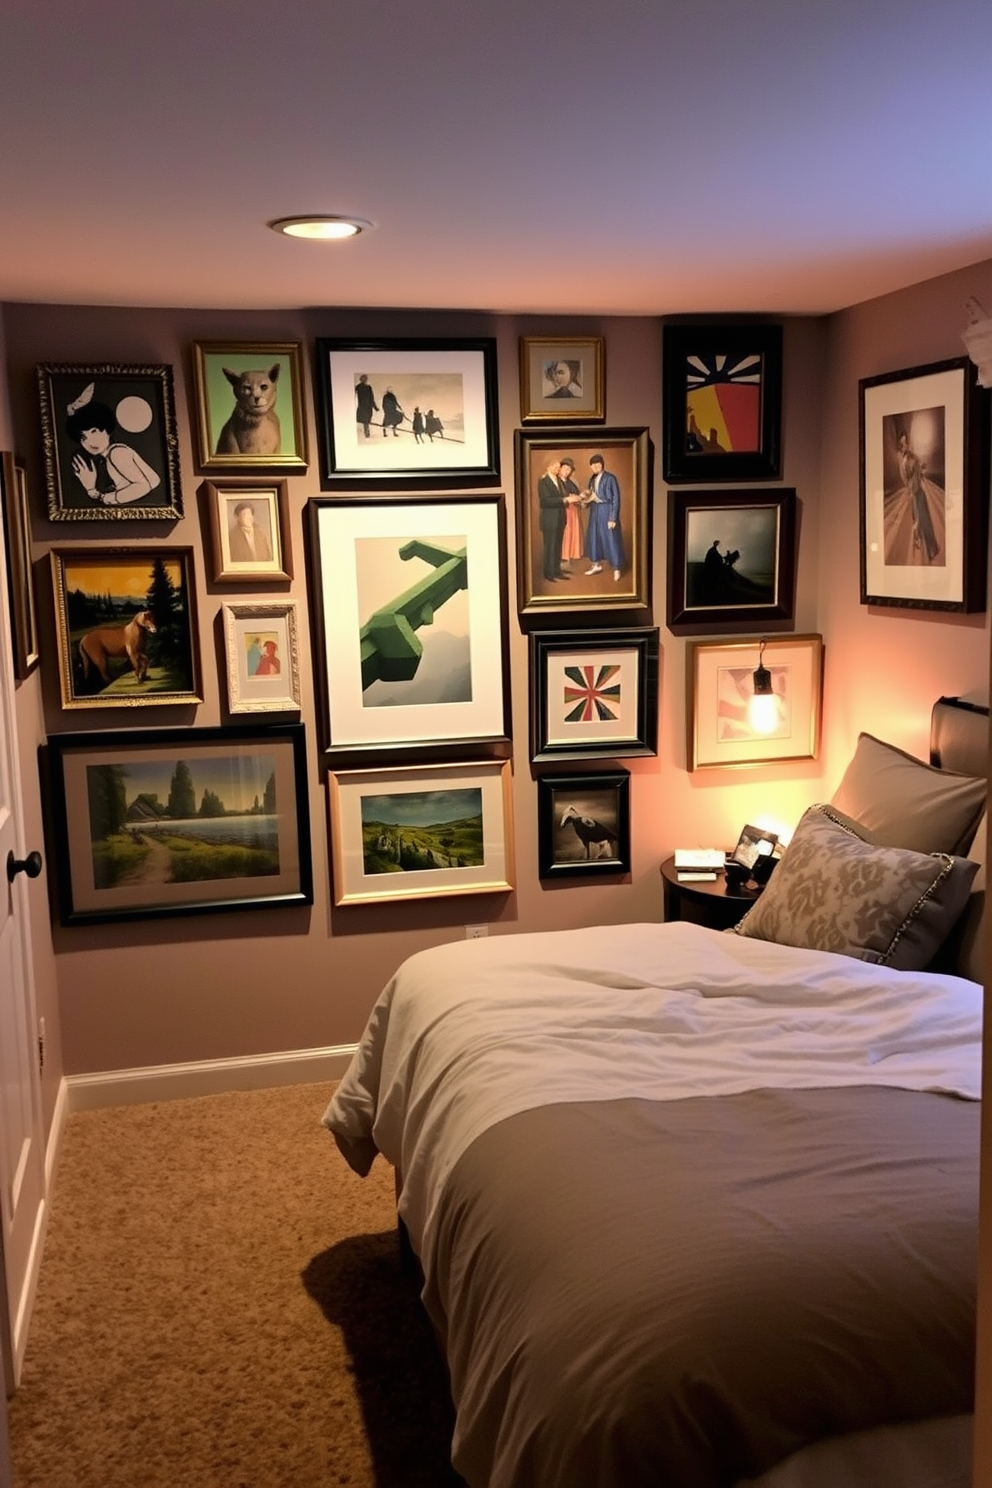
[(699, 1208)]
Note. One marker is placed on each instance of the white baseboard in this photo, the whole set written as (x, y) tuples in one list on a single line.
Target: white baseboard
[(162, 1082)]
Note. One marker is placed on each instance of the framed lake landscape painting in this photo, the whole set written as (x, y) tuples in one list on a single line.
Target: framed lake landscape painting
[(407, 412), (126, 626), (732, 558), (110, 443), (410, 626), (178, 821), (924, 488), (421, 832), (722, 401)]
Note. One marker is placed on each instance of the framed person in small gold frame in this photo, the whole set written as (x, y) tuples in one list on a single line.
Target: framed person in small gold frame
[(249, 529), (562, 378)]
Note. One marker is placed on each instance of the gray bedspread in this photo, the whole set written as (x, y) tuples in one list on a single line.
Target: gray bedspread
[(679, 1294)]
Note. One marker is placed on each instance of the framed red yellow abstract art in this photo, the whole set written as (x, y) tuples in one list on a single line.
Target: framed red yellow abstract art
[(722, 396)]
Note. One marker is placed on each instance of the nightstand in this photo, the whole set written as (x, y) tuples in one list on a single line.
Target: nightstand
[(710, 904)]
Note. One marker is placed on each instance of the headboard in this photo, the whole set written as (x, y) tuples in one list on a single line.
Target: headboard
[(959, 736)]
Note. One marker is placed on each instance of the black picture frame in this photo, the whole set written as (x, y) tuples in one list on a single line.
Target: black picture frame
[(750, 583), (924, 480), (742, 360), (593, 693), (136, 402), (443, 690), (450, 382), (104, 798), (564, 803)]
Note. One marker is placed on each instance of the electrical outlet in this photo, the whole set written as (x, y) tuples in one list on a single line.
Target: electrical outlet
[(476, 932)]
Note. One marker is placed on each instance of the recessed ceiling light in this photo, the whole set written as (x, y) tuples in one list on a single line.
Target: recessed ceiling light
[(320, 227)]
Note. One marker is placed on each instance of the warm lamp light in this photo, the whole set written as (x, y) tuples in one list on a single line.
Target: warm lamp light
[(762, 706), (321, 229)]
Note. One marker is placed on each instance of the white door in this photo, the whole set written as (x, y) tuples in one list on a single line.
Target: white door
[(22, 1160)]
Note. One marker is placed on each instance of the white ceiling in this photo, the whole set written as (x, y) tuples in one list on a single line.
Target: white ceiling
[(567, 156)]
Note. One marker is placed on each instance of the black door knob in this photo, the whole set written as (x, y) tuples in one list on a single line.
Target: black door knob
[(31, 865)]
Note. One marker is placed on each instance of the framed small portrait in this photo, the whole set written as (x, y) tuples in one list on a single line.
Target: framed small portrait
[(20, 581), (924, 488), (593, 693), (723, 726), (731, 558), (178, 821), (583, 519), (562, 378), (583, 825), (249, 530), (408, 412), (263, 657), (722, 401), (421, 832), (249, 405), (410, 626), (126, 626), (110, 443)]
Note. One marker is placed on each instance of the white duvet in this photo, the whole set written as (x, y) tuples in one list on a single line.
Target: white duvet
[(469, 1033)]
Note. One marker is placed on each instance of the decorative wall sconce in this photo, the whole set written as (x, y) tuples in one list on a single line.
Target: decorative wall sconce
[(977, 337)]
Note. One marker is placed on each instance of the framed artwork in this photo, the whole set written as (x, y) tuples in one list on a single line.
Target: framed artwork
[(562, 378), (593, 693), (110, 443), (410, 626), (731, 558), (178, 821), (421, 832), (249, 405), (583, 519), (126, 626), (249, 530), (722, 414), (263, 657), (924, 488), (408, 412), (20, 585), (583, 825), (720, 684)]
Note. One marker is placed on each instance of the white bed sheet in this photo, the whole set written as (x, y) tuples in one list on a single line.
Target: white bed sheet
[(469, 1033)]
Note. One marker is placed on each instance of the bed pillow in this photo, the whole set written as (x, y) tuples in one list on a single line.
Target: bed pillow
[(838, 890), (906, 803), (963, 953)]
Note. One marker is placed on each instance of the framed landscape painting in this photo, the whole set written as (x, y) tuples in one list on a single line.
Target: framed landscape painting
[(421, 832), (178, 821), (731, 557), (407, 412), (924, 488), (126, 626), (583, 519), (722, 401), (410, 626), (110, 442)]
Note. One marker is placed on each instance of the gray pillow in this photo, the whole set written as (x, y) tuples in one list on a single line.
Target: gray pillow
[(838, 890), (906, 803)]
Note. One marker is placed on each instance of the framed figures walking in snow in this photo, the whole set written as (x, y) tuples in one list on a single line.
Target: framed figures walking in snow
[(924, 468), (407, 412)]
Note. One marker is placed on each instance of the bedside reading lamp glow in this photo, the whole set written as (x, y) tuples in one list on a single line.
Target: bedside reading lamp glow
[(762, 706)]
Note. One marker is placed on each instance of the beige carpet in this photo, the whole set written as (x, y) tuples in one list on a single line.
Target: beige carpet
[(222, 1305)]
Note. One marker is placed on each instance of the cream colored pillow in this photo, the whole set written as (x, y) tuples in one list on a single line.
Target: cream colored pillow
[(837, 890), (906, 803)]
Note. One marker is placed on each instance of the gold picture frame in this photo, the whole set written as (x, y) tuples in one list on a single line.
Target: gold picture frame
[(719, 681), (250, 405), (249, 530), (562, 378), (261, 644)]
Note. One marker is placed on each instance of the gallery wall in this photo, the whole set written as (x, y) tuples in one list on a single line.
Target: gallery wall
[(257, 982)]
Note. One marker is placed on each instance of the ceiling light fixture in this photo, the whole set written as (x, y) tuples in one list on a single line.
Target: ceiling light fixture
[(321, 228)]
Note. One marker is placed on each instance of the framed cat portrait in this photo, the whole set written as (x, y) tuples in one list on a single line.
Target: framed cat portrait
[(250, 406)]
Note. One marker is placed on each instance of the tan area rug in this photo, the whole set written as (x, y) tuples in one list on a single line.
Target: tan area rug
[(222, 1304)]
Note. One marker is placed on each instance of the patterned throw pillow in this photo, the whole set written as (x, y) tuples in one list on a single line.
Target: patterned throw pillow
[(836, 889)]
